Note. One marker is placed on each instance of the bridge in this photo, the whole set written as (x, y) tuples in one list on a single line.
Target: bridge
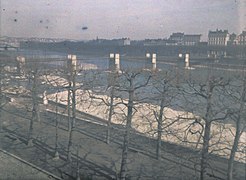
[(8, 47)]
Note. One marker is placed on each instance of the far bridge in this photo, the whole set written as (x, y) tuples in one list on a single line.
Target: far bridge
[(7, 47)]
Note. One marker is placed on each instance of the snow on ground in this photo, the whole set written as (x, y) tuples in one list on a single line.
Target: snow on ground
[(180, 127), (87, 66), (54, 80)]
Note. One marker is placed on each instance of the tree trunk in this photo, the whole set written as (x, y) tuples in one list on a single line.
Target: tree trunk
[(232, 154), (35, 98), (56, 145), (78, 169), (35, 108), (69, 123), (70, 139), (123, 170), (1, 121), (30, 132), (206, 137), (111, 108), (1, 98), (69, 119), (237, 135), (159, 130), (69, 151), (69, 106), (205, 147)]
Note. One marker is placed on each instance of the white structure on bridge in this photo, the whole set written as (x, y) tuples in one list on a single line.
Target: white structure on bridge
[(150, 62), (114, 62)]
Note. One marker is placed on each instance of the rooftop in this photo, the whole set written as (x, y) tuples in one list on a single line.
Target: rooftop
[(219, 32)]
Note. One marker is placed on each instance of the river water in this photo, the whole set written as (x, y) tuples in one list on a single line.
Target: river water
[(56, 59)]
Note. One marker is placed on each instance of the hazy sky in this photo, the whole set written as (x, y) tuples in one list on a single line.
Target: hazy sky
[(137, 19)]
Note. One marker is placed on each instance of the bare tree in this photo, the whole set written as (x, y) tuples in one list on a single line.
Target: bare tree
[(108, 99), (164, 93), (33, 70), (130, 85), (1, 92), (238, 115), (35, 105), (204, 100), (111, 106), (60, 84), (56, 124), (6, 79), (72, 95), (68, 80)]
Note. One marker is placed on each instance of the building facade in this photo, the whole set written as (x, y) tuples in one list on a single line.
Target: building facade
[(124, 42), (242, 39), (191, 39), (218, 38), (233, 39), (185, 39), (177, 37)]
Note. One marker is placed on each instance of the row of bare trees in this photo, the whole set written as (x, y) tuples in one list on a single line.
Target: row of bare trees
[(208, 100)]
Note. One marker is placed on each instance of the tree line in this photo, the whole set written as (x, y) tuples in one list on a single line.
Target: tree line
[(190, 108)]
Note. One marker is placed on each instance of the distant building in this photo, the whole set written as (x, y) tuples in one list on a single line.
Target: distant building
[(242, 38), (117, 42), (113, 42), (203, 43), (191, 39), (126, 41), (120, 42), (177, 37), (184, 39), (172, 43), (233, 40), (155, 42), (218, 38)]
